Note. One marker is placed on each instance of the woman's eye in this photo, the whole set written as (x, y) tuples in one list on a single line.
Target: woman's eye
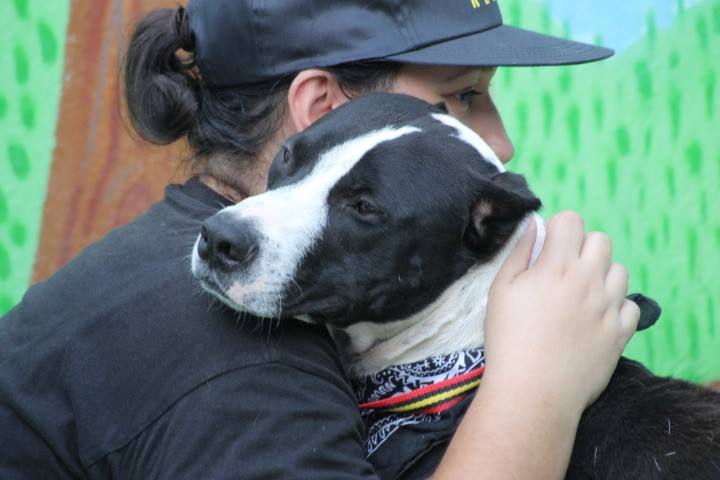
[(465, 97)]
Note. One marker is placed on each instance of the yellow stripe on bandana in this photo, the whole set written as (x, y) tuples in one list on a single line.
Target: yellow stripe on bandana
[(435, 399)]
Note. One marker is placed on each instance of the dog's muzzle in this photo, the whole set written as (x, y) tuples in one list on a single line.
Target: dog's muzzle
[(227, 245)]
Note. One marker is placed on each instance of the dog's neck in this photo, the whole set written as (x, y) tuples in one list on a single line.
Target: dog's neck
[(454, 322)]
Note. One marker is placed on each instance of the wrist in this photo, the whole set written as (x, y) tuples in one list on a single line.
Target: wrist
[(532, 394), (524, 432)]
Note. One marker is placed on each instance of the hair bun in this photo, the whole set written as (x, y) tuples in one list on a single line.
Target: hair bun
[(160, 87)]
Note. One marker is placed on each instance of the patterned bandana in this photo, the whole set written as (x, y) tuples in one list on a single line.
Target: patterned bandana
[(415, 392)]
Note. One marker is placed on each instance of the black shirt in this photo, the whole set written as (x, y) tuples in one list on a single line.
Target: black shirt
[(119, 366)]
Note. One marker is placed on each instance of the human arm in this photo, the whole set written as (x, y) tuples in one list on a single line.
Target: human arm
[(554, 333)]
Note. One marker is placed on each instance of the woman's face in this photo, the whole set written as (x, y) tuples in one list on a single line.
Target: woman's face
[(466, 92)]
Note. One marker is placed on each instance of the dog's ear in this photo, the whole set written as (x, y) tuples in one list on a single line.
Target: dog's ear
[(501, 204)]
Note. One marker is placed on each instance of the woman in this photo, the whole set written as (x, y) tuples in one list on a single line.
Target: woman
[(119, 367)]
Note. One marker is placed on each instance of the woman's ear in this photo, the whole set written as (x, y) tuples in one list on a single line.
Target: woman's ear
[(312, 94)]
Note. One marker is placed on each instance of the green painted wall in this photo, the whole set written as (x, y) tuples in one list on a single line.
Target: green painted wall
[(31, 62), (631, 143)]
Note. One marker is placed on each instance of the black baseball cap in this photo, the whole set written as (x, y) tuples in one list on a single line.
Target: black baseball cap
[(247, 41)]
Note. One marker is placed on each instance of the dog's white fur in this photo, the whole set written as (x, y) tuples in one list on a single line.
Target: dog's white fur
[(454, 322), (289, 221)]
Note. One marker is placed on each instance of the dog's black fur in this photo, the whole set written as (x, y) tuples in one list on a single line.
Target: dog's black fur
[(423, 254), (412, 219)]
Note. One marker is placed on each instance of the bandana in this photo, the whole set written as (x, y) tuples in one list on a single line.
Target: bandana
[(416, 392)]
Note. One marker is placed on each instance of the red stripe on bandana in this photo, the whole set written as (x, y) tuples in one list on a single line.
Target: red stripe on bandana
[(426, 391)]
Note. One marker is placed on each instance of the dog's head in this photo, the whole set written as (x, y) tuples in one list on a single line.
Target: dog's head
[(370, 214)]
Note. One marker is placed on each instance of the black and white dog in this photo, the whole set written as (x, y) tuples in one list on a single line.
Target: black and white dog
[(388, 220)]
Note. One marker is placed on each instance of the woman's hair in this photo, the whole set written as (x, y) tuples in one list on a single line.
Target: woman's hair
[(168, 100)]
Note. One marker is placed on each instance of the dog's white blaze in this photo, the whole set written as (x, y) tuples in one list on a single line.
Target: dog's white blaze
[(454, 322), (467, 135), (291, 219)]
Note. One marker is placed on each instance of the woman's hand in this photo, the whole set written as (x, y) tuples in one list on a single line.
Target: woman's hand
[(558, 328)]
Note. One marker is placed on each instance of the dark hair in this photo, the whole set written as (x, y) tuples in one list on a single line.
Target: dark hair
[(168, 100)]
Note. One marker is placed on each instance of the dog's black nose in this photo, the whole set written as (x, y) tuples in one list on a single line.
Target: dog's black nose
[(227, 244)]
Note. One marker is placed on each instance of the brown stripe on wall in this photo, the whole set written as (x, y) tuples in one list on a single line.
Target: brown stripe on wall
[(101, 177)]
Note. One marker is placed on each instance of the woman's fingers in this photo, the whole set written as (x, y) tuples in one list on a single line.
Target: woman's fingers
[(597, 252), (616, 284), (564, 240), (629, 317)]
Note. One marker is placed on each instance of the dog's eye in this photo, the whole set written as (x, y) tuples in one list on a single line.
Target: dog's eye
[(363, 207)]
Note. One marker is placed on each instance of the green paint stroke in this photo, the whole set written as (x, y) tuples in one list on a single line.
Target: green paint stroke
[(561, 171), (651, 242), (4, 263), (692, 249), (670, 181), (648, 140), (548, 112), (537, 167), (703, 207), (546, 20), (19, 161), (710, 85), (644, 277), (27, 112), (666, 229), (612, 177), (3, 207), (675, 104), (622, 137), (582, 188), (516, 14), (716, 18), (644, 79), (21, 7), (565, 80), (694, 157), (711, 325), (506, 77), (701, 28), (3, 106), (693, 329), (48, 43), (18, 234), (22, 65), (627, 229), (674, 60), (599, 110), (572, 122)]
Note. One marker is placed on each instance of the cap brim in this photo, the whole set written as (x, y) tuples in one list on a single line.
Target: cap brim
[(504, 46)]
